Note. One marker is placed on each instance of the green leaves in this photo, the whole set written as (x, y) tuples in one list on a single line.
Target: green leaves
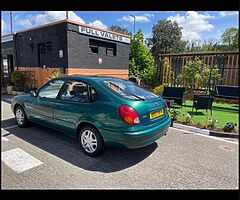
[(119, 29), (197, 74), (141, 62), (166, 38)]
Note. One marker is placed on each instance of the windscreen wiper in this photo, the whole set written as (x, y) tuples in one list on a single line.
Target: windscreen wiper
[(137, 96)]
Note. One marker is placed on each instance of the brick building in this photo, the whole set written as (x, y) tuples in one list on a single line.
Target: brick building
[(68, 47)]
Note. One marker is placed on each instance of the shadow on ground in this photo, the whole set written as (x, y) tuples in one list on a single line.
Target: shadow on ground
[(68, 149), (6, 98)]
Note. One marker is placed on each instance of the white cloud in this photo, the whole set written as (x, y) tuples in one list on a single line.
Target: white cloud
[(51, 16), (26, 23), (193, 24), (227, 13), (98, 23), (46, 17), (139, 18), (3, 26)]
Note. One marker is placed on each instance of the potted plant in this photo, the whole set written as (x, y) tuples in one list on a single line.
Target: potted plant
[(19, 79), (10, 87)]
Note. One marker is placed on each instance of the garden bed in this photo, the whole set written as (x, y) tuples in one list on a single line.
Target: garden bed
[(223, 113)]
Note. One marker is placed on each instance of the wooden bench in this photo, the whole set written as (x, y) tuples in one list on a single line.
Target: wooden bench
[(226, 92)]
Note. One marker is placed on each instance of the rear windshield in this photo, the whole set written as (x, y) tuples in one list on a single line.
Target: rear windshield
[(129, 90)]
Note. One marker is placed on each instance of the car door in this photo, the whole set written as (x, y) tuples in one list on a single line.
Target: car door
[(41, 108), (71, 106)]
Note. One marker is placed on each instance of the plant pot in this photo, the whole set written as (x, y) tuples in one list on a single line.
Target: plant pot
[(9, 89), (14, 92), (18, 92)]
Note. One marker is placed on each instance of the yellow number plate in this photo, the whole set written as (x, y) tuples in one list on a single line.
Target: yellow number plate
[(156, 113)]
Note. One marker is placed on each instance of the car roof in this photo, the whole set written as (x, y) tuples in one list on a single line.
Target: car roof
[(90, 77)]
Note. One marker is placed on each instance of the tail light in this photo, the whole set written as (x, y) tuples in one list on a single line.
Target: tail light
[(128, 114)]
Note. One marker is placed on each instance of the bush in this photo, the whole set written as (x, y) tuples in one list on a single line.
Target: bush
[(158, 89), (188, 119), (174, 113), (212, 123), (55, 74), (18, 78), (229, 126)]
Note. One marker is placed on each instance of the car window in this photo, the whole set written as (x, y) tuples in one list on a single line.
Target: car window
[(75, 91), (51, 90), (93, 94), (129, 90)]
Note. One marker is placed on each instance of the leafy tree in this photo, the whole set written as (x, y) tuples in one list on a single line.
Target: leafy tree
[(141, 62), (119, 29), (230, 38), (166, 38), (196, 74)]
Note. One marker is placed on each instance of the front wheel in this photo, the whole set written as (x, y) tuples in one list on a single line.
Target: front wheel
[(91, 141), (21, 117)]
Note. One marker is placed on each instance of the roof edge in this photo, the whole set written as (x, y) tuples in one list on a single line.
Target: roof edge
[(72, 22)]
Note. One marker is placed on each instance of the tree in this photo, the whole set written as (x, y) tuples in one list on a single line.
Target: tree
[(196, 74), (230, 38), (166, 38), (119, 29), (141, 62)]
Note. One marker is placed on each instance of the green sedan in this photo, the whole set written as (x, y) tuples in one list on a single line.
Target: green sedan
[(99, 111)]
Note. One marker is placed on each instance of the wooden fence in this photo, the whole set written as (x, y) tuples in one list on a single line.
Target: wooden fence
[(227, 62)]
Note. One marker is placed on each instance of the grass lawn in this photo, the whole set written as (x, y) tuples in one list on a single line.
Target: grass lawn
[(221, 112)]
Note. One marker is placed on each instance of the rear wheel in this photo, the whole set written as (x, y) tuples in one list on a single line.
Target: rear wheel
[(21, 117), (91, 141)]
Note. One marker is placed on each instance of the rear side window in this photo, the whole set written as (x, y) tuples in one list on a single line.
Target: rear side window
[(75, 91), (79, 91), (129, 90)]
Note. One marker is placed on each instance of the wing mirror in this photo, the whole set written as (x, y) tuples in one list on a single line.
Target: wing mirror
[(33, 93)]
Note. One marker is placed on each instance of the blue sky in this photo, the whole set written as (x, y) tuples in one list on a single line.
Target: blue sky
[(197, 25)]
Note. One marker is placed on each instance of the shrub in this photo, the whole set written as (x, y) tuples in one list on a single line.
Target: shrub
[(212, 123), (188, 118), (18, 78), (174, 113), (55, 74), (158, 89), (229, 126)]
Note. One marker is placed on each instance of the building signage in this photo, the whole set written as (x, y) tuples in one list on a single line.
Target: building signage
[(7, 38), (103, 34)]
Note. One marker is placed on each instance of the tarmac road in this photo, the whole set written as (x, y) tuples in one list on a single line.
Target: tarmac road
[(38, 157)]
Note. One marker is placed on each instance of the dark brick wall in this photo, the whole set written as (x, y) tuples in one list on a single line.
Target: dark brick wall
[(75, 46), (28, 49), (80, 55)]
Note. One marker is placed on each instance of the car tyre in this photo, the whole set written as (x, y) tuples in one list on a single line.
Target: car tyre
[(21, 117), (91, 141)]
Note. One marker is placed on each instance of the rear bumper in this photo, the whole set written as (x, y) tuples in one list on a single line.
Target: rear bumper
[(136, 139)]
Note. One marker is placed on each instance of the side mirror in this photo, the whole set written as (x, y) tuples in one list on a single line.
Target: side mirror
[(33, 93)]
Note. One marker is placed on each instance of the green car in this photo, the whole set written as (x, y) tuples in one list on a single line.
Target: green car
[(97, 110)]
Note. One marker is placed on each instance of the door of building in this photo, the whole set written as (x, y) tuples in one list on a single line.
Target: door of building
[(7, 69)]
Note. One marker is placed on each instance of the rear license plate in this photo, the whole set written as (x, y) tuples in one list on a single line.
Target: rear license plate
[(156, 113)]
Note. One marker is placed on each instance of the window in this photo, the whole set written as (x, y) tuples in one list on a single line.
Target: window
[(111, 51), (51, 90), (94, 49), (129, 90), (107, 48), (93, 94), (45, 54), (76, 91)]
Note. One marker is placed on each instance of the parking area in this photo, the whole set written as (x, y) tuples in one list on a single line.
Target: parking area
[(38, 157)]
